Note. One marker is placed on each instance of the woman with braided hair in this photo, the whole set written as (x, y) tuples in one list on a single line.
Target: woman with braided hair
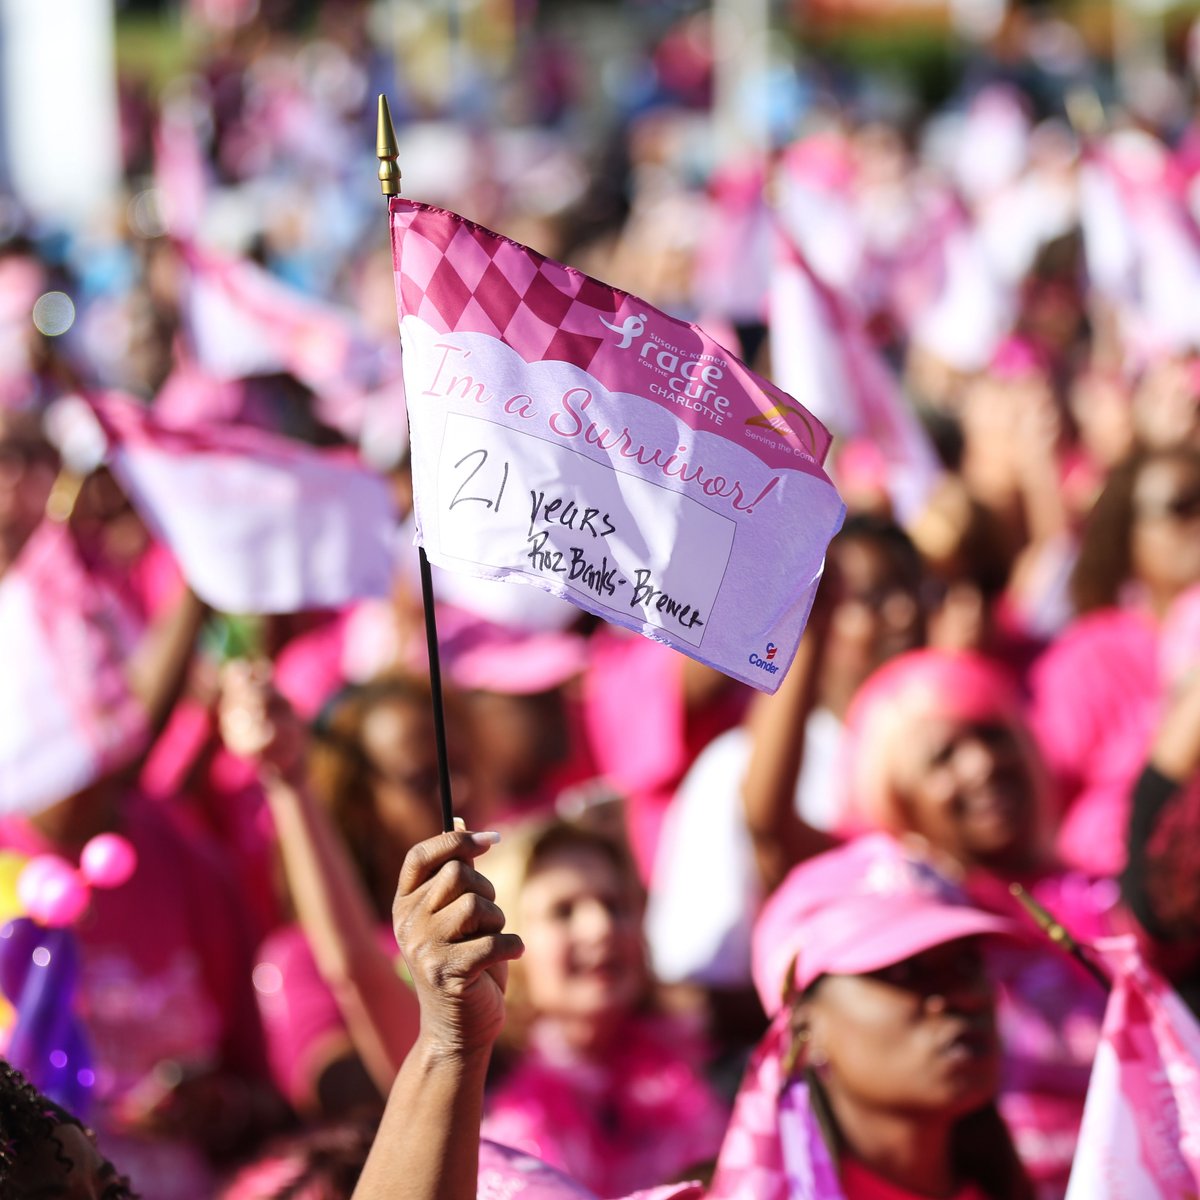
[(45, 1152)]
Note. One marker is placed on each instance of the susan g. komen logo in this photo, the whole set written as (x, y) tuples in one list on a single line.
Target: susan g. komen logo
[(632, 327)]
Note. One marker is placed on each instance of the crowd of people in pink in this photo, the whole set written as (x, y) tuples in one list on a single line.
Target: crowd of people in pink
[(921, 924)]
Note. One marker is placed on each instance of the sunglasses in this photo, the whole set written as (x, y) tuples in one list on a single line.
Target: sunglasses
[(1183, 507)]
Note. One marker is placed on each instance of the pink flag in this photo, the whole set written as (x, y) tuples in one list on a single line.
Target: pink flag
[(180, 170), (816, 188), (821, 353), (242, 320), (1140, 1138), (569, 435), (1141, 242), (66, 713), (964, 321), (258, 523), (733, 261)]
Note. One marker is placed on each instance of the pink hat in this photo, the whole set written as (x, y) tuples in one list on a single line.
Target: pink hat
[(482, 656), (853, 910)]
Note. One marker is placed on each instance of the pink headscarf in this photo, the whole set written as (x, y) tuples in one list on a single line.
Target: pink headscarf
[(774, 1149), (905, 693)]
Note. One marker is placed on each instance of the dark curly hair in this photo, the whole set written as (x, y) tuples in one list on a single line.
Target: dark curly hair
[(28, 1120), (315, 1164)]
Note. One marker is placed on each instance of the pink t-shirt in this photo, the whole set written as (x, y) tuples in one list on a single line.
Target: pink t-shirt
[(300, 1014), (1095, 695), (860, 1184), (641, 735), (642, 1115), (309, 668)]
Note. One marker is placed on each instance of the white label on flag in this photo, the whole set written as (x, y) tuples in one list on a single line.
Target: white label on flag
[(536, 472), (556, 515), (266, 535)]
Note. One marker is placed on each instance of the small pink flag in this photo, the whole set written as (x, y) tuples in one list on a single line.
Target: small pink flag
[(66, 712), (573, 437), (1140, 1137), (733, 260), (242, 320), (257, 523), (821, 353), (181, 174), (1141, 242), (971, 311)]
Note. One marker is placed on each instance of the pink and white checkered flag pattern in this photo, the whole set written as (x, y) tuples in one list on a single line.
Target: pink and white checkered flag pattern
[(1140, 1137), (258, 524), (66, 712), (821, 353), (453, 274), (570, 436)]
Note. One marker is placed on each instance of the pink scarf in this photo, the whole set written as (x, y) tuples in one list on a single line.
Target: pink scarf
[(774, 1149)]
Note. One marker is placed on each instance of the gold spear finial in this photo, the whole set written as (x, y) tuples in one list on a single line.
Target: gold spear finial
[(60, 504), (1049, 924), (387, 151)]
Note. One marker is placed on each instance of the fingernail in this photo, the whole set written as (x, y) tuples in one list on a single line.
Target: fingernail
[(487, 838), (460, 826)]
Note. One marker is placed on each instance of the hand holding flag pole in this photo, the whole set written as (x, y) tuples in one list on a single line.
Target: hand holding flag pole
[(387, 151)]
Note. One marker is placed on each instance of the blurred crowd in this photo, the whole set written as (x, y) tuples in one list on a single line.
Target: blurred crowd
[(998, 684)]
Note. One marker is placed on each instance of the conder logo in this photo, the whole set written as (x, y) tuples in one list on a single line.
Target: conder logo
[(765, 661)]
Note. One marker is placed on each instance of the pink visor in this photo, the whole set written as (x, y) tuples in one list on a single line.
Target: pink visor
[(854, 910)]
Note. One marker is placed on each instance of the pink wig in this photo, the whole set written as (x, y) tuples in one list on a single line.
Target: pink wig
[(904, 694)]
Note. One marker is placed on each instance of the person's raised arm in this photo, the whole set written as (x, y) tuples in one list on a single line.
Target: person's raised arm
[(781, 838), (378, 1007), (451, 934), (157, 669), (1173, 762)]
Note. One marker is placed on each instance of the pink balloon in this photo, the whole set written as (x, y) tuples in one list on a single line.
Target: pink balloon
[(107, 861), (52, 891), (34, 873)]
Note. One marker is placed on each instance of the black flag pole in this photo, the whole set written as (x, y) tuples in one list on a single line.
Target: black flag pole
[(387, 151)]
